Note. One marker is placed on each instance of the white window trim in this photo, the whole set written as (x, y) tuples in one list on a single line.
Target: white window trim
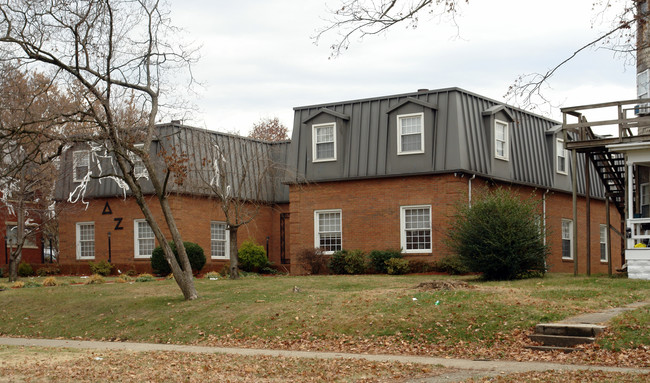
[(572, 257), (227, 256), (506, 140), (136, 243), (78, 243), (399, 134), (603, 241), (313, 142), (138, 161), (75, 176), (557, 157), (402, 229), (316, 231)]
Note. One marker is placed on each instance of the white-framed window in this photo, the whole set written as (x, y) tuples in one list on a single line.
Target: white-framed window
[(219, 240), (143, 238), (501, 142), (415, 225), (85, 240), (645, 199), (410, 133), (603, 243), (327, 230), (561, 162), (139, 169), (80, 165), (567, 239), (324, 142)]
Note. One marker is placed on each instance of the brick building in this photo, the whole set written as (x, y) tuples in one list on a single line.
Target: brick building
[(368, 174), (387, 172)]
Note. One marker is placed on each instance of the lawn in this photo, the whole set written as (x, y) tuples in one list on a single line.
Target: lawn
[(367, 313)]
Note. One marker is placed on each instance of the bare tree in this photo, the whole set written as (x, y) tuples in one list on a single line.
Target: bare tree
[(363, 18), (116, 58), (243, 176), (269, 129)]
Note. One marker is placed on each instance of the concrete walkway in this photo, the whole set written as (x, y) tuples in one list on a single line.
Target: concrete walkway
[(468, 368), (603, 316)]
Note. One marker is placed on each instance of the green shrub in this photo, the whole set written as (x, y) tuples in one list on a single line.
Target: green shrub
[(397, 266), (48, 270), (348, 262), (314, 259), (25, 270), (337, 262), (419, 266), (378, 259), (145, 277), (252, 257), (452, 265), (499, 236), (102, 268), (194, 252)]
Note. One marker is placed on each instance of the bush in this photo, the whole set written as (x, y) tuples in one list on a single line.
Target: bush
[(94, 279), (18, 285), (315, 260), (194, 252), (348, 262), (378, 259), (48, 270), (145, 277), (25, 270), (452, 265), (252, 257), (102, 268), (49, 282), (212, 275), (397, 266), (499, 236), (419, 266), (337, 262), (124, 278)]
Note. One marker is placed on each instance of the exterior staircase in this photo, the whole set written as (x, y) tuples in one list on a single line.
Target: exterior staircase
[(564, 336)]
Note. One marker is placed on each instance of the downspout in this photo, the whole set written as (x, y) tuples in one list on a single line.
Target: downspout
[(469, 187), (544, 214)]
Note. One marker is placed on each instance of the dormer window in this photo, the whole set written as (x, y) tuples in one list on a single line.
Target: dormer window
[(501, 140), (80, 165), (324, 142), (410, 133), (139, 170), (561, 157)]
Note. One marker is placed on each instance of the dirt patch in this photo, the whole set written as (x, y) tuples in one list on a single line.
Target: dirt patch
[(444, 285)]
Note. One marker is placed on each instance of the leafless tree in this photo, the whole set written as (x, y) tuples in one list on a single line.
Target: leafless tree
[(117, 58), (363, 18), (244, 176)]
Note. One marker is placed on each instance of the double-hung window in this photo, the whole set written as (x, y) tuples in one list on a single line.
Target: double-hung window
[(561, 157), (80, 165), (139, 170), (603, 243), (501, 140), (567, 239), (324, 142), (219, 243), (327, 230), (85, 240), (144, 239), (415, 222), (410, 133)]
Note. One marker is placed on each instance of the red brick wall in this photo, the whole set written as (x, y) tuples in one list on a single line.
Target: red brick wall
[(192, 214), (371, 215)]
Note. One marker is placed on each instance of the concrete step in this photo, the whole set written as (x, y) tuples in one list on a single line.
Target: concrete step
[(561, 340), (565, 350), (569, 329)]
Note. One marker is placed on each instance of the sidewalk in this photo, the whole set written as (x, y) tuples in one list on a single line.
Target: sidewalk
[(476, 367)]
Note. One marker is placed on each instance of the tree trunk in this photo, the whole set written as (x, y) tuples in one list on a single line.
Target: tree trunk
[(234, 258), (17, 255)]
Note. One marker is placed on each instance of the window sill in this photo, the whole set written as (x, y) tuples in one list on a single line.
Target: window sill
[(567, 260)]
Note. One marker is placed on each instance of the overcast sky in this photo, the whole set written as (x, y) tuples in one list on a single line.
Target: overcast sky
[(258, 60)]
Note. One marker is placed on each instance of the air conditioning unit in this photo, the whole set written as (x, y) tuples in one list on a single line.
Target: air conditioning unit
[(642, 109)]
